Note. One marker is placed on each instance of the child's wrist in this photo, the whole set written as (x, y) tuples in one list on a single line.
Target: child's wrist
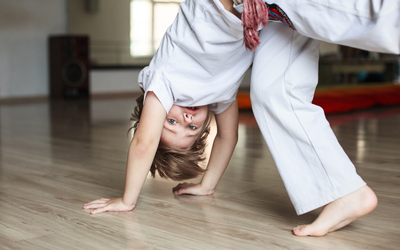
[(207, 189), (128, 203)]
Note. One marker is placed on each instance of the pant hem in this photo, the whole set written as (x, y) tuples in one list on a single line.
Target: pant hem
[(332, 196)]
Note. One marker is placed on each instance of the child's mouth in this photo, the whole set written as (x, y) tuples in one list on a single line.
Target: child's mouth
[(192, 110)]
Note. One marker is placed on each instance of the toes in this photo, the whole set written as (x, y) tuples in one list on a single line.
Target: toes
[(296, 229), (308, 230), (300, 231)]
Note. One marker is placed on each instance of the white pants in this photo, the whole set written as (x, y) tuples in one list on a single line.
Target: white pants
[(372, 25), (312, 164)]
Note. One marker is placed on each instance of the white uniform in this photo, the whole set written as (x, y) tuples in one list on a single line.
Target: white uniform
[(312, 164), (201, 59)]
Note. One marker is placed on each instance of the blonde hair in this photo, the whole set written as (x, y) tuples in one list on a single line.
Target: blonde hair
[(176, 164)]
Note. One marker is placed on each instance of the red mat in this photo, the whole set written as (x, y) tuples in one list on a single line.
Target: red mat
[(346, 99)]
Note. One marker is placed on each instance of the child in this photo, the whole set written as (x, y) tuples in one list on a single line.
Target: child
[(201, 61), (281, 93)]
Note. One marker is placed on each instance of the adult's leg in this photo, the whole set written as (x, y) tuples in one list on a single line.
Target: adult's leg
[(312, 164), (372, 25)]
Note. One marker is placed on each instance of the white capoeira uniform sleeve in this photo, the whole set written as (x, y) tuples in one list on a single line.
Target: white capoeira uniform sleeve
[(201, 59), (372, 25)]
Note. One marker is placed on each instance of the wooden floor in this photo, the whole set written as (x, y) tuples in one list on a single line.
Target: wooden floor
[(56, 156)]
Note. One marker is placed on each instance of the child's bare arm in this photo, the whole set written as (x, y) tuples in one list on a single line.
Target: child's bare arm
[(140, 156), (224, 144)]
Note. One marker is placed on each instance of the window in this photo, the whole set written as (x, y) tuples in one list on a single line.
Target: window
[(149, 21)]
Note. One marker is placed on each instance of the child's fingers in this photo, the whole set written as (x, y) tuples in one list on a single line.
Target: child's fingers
[(180, 192), (177, 192), (111, 205), (96, 202), (178, 189), (183, 190), (99, 210), (99, 201), (96, 205), (180, 185)]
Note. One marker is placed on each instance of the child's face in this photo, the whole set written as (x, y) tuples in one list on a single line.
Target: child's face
[(182, 125)]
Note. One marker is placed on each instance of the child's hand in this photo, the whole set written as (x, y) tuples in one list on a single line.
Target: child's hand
[(107, 205), (191, 188)]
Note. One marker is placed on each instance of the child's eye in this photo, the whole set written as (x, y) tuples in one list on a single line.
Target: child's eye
[(192, 127), (172, 121)]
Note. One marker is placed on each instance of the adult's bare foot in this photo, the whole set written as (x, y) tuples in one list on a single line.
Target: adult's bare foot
[(340, 213)]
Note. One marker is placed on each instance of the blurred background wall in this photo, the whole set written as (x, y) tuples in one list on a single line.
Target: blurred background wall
[(124, 35), (24, 28)]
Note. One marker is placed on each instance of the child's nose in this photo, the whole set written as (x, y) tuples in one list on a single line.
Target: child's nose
[(188, 117)]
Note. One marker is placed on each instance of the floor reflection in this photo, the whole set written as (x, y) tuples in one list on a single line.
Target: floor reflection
[(366, 135), (70, 119)]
